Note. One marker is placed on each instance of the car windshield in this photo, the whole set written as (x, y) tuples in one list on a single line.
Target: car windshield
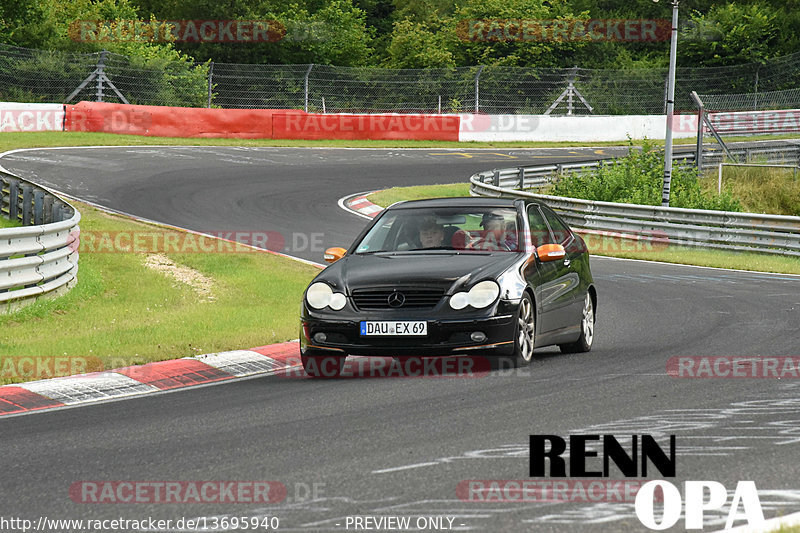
[(451, 228)]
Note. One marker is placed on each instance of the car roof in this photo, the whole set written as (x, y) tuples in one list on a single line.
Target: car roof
[(463, 201)]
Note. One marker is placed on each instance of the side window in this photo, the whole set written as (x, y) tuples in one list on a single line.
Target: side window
[(561, 232), (540, 233)]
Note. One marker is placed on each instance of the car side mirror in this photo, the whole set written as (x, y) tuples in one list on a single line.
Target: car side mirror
[(334, 254), (550, 252)]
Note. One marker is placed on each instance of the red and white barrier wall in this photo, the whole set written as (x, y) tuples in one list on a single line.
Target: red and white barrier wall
[(31, 117), (159, 121), (590, 128)]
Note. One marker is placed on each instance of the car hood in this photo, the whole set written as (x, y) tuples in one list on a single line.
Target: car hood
[(434, 269)]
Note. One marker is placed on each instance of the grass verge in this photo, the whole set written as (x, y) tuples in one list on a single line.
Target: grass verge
[(759, 189), (6, 223), (12, 140), (617, 247), (122, 312)]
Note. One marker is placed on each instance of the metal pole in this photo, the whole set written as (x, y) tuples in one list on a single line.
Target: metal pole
[(101, 64), (755, 96), (440, 104), (571, 90), (477, 77), (210, 75), (305, 89), (673, 52), (700, 119)]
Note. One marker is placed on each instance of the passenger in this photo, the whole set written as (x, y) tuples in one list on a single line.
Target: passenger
[(431, 234), (498, 235)]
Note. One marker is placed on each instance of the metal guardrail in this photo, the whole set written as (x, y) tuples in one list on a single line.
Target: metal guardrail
[(41, 257), (540, 175), (775, 234)]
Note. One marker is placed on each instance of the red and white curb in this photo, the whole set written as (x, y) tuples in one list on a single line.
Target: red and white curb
[(147, 379), (359, 205)]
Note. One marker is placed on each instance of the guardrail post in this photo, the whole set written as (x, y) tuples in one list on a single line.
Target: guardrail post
[(521, 178), (13, 200), (38, 207), (26, 204), (48, 208), (496, 178), (559, 169)]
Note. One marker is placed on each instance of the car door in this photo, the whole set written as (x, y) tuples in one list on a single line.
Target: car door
[(544, 277), (570, 295)]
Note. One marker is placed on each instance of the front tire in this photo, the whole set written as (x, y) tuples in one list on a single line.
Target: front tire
[(525, 337), (584, 342), (323, 366)]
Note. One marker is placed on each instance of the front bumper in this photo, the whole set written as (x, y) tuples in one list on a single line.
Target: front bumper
[(447, 335)]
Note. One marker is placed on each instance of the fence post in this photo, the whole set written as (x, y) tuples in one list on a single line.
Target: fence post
[(477, 92), (755, 96), (700, 123), (210, 82), (305, 87), (101, 65)]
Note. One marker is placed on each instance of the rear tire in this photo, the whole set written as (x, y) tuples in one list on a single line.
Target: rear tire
[(323, 366), (584, 342)]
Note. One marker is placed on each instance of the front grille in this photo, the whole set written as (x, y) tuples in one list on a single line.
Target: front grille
[(412, 298)]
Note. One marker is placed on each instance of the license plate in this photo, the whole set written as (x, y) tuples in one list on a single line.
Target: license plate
[(394, 328)]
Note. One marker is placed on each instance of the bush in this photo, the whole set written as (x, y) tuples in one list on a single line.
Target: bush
[(638, 179)]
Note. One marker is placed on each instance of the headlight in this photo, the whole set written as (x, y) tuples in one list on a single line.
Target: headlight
[(319, 295), (479, 296), (337, 301), (483, 294), (459, 300)]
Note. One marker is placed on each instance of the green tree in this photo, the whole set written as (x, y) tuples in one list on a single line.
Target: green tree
[(416, 45), (732, 34)]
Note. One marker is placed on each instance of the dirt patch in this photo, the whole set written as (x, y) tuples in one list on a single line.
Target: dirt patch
[(202, 285)]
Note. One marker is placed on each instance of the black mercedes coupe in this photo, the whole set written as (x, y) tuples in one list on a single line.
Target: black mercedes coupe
[(451, 276)]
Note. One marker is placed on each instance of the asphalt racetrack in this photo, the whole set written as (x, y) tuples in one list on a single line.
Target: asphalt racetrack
[(403, 447)]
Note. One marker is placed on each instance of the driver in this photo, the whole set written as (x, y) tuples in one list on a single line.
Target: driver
[(431, 234)]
